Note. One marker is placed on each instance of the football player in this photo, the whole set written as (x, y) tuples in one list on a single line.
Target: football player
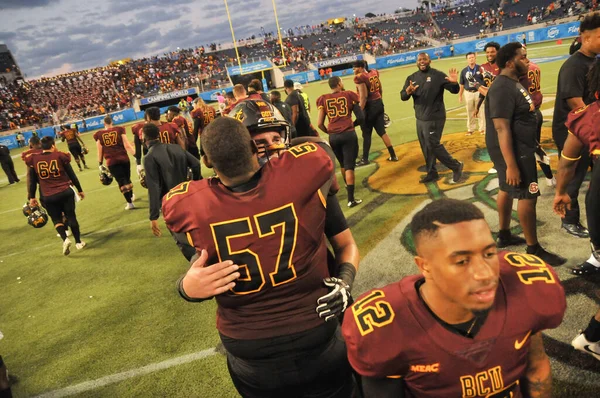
[(113, 145), (138, 141), (532, 81), (202, 115), (173, 116), (338, 107), (459, 328), (370, 92), (169, 132), (276, 236), (75, 143), (53, 171)]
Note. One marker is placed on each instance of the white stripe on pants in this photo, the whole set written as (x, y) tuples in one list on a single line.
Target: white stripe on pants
[(471, 99)]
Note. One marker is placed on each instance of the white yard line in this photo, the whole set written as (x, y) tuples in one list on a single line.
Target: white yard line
[(118, 377)]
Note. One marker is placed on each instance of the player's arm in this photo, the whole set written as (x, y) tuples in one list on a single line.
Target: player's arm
[(180, 141), (295, 113), (483, 90), (138, 149), (71, 173), (321, 120), (362, 94), (575, 102), (100, 152), (567, 163), (33, 181), (154, 187), (382, 388), (203, 282), (127, 145), (197, 126), (479, 102), (502, 126), (460, 92), (538, 376)]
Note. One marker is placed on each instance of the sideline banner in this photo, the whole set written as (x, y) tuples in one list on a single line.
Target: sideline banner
[(249, 68)]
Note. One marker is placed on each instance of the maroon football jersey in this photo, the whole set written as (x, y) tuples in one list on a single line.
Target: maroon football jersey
[(532, 82), (50, 169), (29, 152), (136, 129), (584, 123), (70, 135), (338, 108), (112, 145), (168, 133), (181, 121), (390, 332), (494, 69), (204, 116), (371, 80), (274, 232)]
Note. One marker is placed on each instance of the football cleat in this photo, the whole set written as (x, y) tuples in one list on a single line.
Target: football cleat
[(582, 344), (354, 202), (27, 210), (129, 206), (66, 247), (38, 218), (80, 245)]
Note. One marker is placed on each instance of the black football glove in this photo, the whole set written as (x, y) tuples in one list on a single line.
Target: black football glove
[(334, 303)]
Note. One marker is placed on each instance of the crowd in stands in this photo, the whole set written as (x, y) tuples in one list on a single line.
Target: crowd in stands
[(98, 91)]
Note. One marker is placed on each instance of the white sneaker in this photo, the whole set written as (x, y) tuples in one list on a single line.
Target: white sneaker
[(133, 198), (129, 206), (580, 343), (551, 182), (80, 245), (492, 171), (67, 247)]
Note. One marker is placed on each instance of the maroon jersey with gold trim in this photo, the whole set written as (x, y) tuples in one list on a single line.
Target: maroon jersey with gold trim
[(50, 169), (371, 80), (338, 108), (29, 152), (390, 332), (204, 116), (181, 121), (168, 133), (136, 130), (532, 82), (275, 234), (494, 69), (70, 135), (584, 123), (113, 148)]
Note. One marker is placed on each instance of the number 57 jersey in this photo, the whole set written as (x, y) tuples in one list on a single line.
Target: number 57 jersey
[(391, 333), (274, 231)]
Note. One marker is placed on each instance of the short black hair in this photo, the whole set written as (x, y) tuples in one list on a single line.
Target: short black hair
[(590, 22), (230, 95), (423, 53), (151, 131), (443, 212), (359, 64), (507, 53), (153, 113), (334, 81), (47, 143), (108, 120), (491, 44), (288, 83), (173, 109), (276, 94), (469, 53), (228, 146), (255, 85), (34, 140)]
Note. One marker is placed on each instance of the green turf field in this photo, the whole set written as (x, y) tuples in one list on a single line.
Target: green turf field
[(107, 321)]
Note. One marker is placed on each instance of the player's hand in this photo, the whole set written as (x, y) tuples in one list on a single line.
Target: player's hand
[(561, 203), (412, 87), (513, 176), (139, 169), (334, 303), (81, 195), (202, 282), (33, 202), (155, 228), (102, 168), (452, 75)]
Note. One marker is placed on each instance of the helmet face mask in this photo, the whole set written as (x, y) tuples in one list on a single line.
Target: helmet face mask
[(269, 144)]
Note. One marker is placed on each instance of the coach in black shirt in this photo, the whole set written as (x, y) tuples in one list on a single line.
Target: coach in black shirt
[(511, 140), (571, 93), (300, 117), (7, 164), (426, 87), (166, 166)]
